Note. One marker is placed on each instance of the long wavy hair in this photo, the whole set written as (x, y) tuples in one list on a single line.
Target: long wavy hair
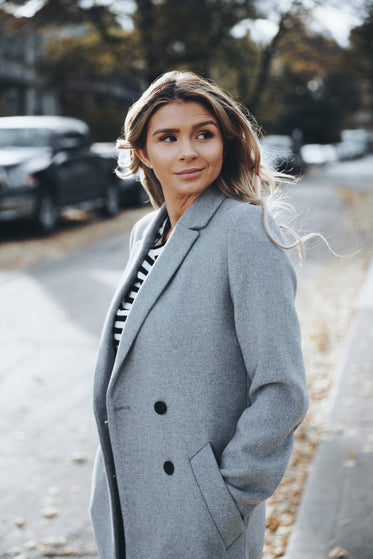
[(243, 176)]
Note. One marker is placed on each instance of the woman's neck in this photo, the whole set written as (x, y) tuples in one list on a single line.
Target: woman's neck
[(176, 207)]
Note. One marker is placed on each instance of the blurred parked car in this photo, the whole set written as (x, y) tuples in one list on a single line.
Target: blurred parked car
[(353, 144), (48, 165), (319, 154), (130, 189), (278, 153)]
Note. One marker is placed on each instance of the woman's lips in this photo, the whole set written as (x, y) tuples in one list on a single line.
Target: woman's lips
[(189, 173)]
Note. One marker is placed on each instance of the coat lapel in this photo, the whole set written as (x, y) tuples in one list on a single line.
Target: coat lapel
[(184, 236), (106, 355)]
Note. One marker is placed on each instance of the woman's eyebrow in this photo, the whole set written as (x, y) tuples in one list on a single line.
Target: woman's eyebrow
[(166, 131), (177, 130), (205, 123)]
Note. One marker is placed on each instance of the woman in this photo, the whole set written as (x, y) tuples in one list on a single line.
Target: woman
[(199, 383)]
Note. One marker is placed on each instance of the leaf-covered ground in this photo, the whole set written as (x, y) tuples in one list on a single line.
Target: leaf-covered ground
[(326, 306)]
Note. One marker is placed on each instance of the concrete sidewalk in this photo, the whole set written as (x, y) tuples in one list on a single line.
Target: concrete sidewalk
[(335, 518)]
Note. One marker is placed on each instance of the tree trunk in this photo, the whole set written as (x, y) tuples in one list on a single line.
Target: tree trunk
[(267, 55)]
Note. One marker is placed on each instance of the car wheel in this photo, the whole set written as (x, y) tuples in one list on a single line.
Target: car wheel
[(137, 196), (111, 201), (46, 215)]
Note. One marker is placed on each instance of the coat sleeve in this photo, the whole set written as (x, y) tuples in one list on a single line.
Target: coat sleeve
[(263, 285)]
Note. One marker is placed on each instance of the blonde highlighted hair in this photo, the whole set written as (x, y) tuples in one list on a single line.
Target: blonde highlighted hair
[(243, 176)]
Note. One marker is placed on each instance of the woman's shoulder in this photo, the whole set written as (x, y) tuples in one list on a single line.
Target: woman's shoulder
[(242, 218), (248, 225), (143, 224), (242, 210), (249, 241)]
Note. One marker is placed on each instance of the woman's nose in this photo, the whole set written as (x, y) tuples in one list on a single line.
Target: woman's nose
[(187, 151)]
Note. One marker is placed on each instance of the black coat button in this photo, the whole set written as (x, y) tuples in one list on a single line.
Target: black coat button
[(160, 407), (168, 468)]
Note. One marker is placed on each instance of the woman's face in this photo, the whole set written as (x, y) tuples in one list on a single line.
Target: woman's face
[(184, 147)]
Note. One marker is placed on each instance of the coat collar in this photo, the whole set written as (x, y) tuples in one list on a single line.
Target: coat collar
[(186, 232), (203, 208)]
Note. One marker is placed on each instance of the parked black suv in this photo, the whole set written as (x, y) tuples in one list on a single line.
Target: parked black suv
[(46, 165)]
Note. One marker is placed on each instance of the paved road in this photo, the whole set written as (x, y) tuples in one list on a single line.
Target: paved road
[(51, 316), (322, 206), (50, 323)]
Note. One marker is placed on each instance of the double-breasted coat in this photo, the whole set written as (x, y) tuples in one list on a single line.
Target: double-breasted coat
[(196, 411)]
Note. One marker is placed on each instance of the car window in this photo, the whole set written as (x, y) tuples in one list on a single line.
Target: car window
[(24, 137), (71, 140)]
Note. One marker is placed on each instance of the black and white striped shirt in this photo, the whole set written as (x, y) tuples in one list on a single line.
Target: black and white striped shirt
[(126, 305)]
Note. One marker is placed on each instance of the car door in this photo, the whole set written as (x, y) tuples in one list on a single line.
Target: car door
[(76, 177)]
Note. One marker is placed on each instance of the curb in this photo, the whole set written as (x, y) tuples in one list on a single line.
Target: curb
[(335, 517)]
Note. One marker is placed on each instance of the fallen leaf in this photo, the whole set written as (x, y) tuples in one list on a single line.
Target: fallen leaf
[(50, 511), (338, 553), (273, 523), (78, 458), (351, 454)]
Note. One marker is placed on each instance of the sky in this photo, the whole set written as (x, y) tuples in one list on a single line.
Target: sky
[(336, 21)]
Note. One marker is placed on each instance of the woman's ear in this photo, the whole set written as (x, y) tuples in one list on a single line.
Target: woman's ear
[(143, 156)]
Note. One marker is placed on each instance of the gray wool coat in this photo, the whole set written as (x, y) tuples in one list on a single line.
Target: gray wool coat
[(196, 411)]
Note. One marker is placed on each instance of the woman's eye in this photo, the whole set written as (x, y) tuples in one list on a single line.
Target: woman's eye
[(206, 135), (168, 138)]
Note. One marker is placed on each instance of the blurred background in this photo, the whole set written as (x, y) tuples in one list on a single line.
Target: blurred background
[(69, 70), (302, 68)]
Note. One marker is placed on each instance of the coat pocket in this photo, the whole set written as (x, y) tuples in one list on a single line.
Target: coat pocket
[(220, 503)]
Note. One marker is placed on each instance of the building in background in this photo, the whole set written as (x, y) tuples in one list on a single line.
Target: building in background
[(22, 91)]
